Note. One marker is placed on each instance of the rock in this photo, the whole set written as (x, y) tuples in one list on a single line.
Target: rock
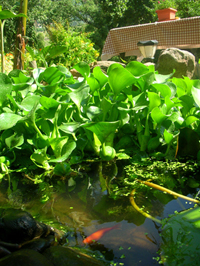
[(66, 256), (104, 65), (172, 58), (25, 257), (197, 71), (17, 226), (39, 244)]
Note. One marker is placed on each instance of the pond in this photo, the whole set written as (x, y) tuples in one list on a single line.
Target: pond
[(88, 208)]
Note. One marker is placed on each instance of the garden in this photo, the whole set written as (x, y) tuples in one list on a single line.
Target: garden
[(110, 159)]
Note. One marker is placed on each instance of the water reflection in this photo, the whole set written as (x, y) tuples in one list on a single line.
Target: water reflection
[(89, 208)]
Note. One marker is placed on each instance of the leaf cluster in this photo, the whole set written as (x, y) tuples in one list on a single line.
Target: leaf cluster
[(56, 120)]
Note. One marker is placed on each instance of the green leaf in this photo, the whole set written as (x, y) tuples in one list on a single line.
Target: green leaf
[(196, 91), (153, 144), (163, 78), (8, 120), (190, 120), (29, 102), (57, 145), (62, 169), (14, 141), (47, 102), (6, 87), (100, 76), (102, 129), (154, 100), (39, 157), (167, 136), (83, 69), (79, 95), (93, 83), (70, 127), (182, 232), (163, 89), (67, 152), (157, 115), (93, 111), (107, 153), (56, 50), (106, 105), (114, 65), (137, 69), (119, 79), (51, 75), (6, 14)]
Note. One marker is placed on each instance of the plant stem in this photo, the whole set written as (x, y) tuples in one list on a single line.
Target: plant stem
[(2, 45), (131, 197), (168, 191)]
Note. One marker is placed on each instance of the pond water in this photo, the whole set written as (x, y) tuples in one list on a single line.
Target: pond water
[(87, 209)]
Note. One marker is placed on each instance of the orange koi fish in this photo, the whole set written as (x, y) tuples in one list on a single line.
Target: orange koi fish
[(98, 234)]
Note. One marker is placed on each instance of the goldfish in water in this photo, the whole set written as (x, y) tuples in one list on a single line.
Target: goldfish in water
[(98, 234)]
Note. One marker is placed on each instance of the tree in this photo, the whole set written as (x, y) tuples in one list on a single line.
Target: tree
[(4, 15), (20, 41), (40, 12), (100, 16)]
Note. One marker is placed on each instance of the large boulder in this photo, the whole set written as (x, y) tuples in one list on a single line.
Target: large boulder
[(172, 58)]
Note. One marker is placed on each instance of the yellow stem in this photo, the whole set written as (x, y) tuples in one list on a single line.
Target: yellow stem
[(168, 191), (131, 197)]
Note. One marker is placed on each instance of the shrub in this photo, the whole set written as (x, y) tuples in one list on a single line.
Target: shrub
[(80, 47)]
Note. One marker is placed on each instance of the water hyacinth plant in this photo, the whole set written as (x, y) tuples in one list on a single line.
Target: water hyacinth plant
[(53, 120)]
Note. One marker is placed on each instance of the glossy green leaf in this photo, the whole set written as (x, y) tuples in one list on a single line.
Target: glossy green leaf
[(8, 120), (65, 152), (47, 102), (154, 100), (29, 102), (196, 91), (180, 236), (190, 120), (93, 83), (107, 153), (5, 87), (163, 89), (6, 14), (153, 144), (51, 76), (119, 79), (93, 111), (136, 68), (14, 141), (163, 78), (102, 129), (168, 136), (106, 105), (157, 115), (114, 65), (169, 103), (57, 50), (70, 127), (62, 169), (57, 145), (79, 95), (40, 158), (100, 76), (83, 68)]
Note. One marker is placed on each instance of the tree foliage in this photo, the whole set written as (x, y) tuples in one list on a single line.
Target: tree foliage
[(100, 16)]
